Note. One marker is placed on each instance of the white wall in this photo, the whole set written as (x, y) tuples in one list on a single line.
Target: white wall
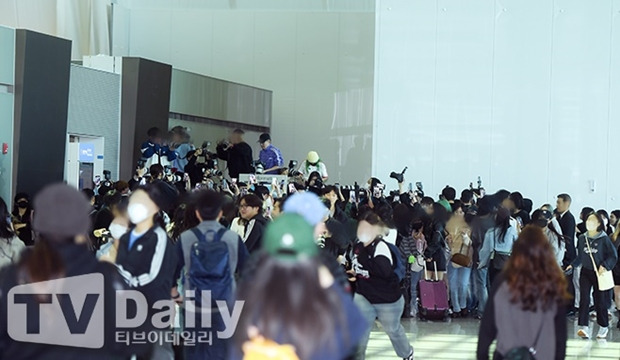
[(84, 22), (319, 65), (525, 93)]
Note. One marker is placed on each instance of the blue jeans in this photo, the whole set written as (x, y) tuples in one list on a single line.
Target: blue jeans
[(481, 288), (389, 317), (415, 279), (458, 279)]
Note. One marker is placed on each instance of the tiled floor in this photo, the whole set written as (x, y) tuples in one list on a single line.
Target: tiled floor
[(458, 339)]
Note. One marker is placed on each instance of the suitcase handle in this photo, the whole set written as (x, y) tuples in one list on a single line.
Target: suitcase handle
[(426, 277)]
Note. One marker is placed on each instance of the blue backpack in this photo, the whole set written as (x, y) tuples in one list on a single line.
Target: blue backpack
[(209, 267), (398, 263)]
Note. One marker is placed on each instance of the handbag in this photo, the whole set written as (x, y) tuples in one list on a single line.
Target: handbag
[(606, 279), (461, 258), (524, 352)]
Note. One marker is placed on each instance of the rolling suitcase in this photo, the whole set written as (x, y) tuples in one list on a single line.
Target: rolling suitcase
[(433, 298)]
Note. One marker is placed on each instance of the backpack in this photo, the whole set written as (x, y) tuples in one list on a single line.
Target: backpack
[(209, 267), (398, 263)]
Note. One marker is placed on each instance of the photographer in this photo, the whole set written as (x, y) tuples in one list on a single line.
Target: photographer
[(313, 164), (153, 150), (237, 154), (181, 146), (315, 183), (270, 156)]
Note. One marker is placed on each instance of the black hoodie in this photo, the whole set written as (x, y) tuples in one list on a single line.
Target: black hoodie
[(603, 252)]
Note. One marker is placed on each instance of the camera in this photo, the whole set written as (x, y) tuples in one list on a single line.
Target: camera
[(141, 164), (292, 165), (258, 166), (107, 174), (419, 192), (400, 177)]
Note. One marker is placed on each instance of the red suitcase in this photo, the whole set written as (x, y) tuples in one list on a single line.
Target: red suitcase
[(433, 298)]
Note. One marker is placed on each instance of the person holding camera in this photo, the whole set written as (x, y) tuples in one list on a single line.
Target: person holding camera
[(313, 164), (237, 154), (154, 150), (181, 146)]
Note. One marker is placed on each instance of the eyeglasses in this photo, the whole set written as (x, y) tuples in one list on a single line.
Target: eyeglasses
[(244, 206)]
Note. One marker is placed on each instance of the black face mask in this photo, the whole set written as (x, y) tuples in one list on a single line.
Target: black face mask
[(22, 205)]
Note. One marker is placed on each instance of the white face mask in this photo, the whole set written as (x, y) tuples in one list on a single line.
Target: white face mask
[(117, 230), (592, 225), (137, 213)]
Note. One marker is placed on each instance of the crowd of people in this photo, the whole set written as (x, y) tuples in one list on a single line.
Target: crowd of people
[(315, 264)]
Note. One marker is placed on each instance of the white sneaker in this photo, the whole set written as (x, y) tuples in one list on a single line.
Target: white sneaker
[(584, 332), (602, 333)]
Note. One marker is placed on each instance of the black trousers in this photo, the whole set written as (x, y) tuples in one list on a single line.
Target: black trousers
[(587, 283)]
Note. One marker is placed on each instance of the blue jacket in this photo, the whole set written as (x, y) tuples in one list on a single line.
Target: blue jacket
[(148, 149), (270, 157)]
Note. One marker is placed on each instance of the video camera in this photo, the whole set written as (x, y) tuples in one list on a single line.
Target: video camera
[(479, 191), (400, 177), (292, 165)]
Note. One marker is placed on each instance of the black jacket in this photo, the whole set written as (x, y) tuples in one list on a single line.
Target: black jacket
[(603, 251), (376, 279), (77, 260), (567, 224), (239, 159), (254, 231), (149, 265)]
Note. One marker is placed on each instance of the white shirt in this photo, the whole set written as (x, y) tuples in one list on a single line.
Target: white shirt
[(306, 169)]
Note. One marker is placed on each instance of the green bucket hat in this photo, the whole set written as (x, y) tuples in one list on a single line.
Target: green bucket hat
[(290, 238)]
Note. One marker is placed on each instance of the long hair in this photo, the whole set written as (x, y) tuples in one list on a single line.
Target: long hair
[(502, 222), (42, 262), (533, 276), (616, 235), (6, 232), (538, 216), (287, 303)]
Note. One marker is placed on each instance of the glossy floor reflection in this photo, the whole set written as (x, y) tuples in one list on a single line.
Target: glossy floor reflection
[(458, 339)]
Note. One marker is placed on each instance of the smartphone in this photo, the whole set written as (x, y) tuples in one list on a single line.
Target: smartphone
[(352, 196), (410, 187), (419, 186), (274, 180), (224, 184), (291, 188), (252, 179), (396, 198), (234, 180)]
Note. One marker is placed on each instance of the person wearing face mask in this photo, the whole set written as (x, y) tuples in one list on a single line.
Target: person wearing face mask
[(553, 232), (61, 221), (10, 245), (118, 228), (595, 253), (377, 292), (22, 213), (146, 257)]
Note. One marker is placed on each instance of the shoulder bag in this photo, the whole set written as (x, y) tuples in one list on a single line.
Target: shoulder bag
[(524, 352), (606, 279)]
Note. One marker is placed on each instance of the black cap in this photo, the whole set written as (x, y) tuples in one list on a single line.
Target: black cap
[(264, 137)]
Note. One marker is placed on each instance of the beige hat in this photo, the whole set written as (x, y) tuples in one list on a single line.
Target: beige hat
[(313, 157)]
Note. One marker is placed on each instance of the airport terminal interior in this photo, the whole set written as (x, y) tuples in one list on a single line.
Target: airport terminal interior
[(310, 179)]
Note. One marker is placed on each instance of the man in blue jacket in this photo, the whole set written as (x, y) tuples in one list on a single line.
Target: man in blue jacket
[(153, 151), (270, 156)]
